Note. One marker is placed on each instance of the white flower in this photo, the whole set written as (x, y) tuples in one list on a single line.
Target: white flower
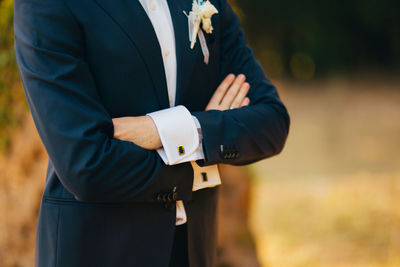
[(207, 10), (201, 13), (207, 27)]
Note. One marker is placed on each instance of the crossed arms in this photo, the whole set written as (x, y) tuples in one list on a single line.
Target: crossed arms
[(78, 132), (142, 130)]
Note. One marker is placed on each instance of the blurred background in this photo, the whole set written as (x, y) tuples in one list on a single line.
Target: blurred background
[(332, 198)]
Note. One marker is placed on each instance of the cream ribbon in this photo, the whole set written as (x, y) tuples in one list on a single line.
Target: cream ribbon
[(194, 30), (204, 46)]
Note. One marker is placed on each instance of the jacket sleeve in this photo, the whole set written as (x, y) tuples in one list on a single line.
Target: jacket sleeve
[(245, 135), (75, 127)]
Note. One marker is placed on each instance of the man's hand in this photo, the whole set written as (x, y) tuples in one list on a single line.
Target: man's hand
[(230, 94), (140, 130)]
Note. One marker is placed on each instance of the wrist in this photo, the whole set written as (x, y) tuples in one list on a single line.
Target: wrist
[(151, 128)]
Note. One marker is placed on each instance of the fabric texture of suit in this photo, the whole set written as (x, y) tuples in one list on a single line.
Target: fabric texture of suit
[(83, 63)]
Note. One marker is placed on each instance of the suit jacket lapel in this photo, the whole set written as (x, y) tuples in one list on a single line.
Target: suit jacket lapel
[(186, 58), (133, 20)]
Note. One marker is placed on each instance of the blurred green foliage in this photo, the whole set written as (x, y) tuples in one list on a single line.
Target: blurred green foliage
[(308, 38), (12, 101)]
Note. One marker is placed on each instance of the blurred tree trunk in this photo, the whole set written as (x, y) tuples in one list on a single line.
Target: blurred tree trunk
[(235, 244)]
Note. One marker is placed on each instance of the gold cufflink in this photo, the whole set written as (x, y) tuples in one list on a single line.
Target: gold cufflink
[(181, 150)]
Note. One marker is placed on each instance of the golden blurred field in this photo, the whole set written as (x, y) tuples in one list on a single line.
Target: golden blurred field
[(333, 197)]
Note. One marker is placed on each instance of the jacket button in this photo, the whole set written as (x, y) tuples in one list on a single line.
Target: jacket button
[(228, 151), (164, 197), (172, 196)]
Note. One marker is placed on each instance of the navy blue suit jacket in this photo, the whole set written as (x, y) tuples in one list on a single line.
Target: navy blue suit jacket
[(84, 62)]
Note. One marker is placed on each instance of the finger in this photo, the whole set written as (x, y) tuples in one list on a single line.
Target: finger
[(221, 90), (245, 102), (232, 92), (240, 96)]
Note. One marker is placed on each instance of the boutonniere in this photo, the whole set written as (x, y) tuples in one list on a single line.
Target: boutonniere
[(201, 13)]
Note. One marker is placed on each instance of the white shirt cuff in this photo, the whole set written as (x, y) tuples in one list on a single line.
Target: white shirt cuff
[(181, 217), (205, 177), (179, 135)]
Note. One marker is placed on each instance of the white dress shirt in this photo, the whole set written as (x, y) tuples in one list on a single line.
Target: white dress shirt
[(179, 131)]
